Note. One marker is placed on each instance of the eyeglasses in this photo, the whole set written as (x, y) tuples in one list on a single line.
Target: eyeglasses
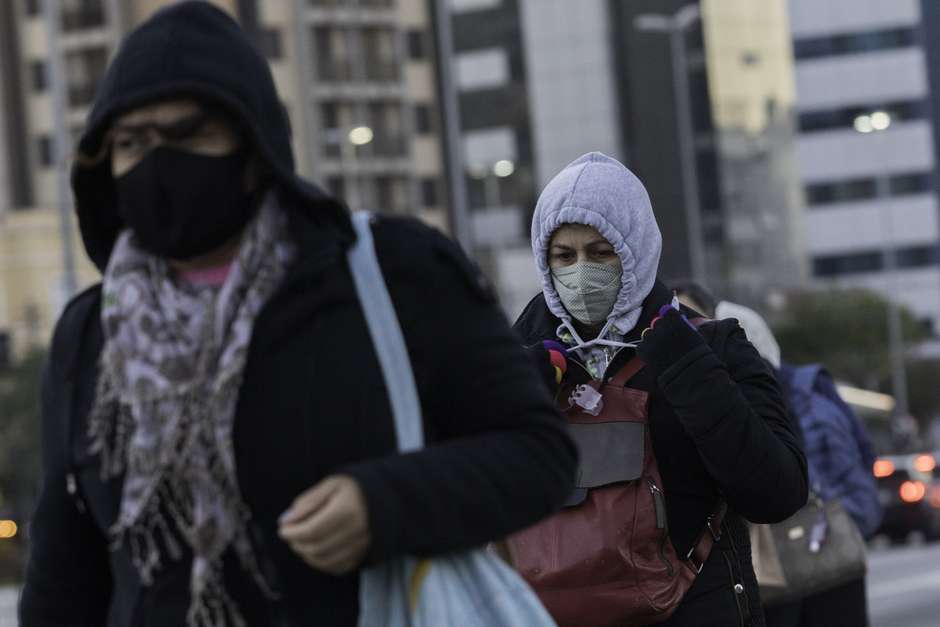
[(135, 140)]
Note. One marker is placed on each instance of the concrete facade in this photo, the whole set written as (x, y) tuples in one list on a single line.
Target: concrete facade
[(869, 192), (31, 290), (342, 65), (366, 63)]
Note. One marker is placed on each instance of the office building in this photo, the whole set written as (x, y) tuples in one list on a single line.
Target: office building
[(542, 83), (868, 145)]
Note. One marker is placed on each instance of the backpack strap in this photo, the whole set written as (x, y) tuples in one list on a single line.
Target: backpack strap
[(629, 370), (702, 547), (387, 336)]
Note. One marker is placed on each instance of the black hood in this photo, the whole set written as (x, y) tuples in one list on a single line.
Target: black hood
[(188, 49)]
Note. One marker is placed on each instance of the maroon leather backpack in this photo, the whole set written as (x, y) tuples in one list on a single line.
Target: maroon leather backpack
[(606, 559)]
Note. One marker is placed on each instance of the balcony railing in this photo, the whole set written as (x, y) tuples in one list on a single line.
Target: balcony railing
[(378, 71)]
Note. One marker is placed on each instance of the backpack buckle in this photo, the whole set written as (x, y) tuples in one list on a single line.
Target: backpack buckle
[(693, 560)]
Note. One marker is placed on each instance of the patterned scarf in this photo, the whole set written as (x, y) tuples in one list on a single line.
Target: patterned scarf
[(170, 372)]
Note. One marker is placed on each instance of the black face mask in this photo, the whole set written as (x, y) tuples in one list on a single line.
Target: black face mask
[(180, 205)]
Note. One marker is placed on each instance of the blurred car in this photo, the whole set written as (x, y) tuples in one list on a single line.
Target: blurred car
[(909, 491)]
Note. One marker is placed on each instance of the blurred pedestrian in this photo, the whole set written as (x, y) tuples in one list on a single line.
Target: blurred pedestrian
[(681, 426), (218, 444), (695, 296), (840, 457)]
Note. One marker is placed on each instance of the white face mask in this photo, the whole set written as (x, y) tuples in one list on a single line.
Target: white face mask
[(588, 290)]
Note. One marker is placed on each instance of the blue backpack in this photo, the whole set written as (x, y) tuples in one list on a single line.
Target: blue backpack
[(839, 453)]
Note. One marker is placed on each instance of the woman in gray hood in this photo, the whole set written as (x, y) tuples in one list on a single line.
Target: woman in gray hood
[(717, 425)]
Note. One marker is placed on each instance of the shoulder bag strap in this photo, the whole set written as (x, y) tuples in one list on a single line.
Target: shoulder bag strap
[(386, 334), (709, 536)]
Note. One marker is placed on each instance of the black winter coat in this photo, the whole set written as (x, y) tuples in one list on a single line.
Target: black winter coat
[(720, 429), (313, 404)]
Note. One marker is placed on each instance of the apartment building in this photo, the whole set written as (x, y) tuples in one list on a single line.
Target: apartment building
[(358, 80), (89, 33), (868, 145)]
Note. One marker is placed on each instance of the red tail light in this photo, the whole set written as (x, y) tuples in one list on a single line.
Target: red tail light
[(912, 491), (883, 468), (925, 463)]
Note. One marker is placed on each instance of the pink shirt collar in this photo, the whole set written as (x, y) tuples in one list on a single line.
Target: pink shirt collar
[(207, 277)]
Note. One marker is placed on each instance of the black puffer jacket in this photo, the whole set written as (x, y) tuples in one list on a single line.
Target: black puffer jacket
[(313, 402), (719, 428)]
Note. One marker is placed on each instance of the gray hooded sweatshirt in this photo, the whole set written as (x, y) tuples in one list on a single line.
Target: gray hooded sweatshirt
[(599, 191)]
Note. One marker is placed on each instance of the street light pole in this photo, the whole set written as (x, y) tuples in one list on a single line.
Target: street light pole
[(676, 27), (453, 140), (895, 330), (876, 123), (53, 16)]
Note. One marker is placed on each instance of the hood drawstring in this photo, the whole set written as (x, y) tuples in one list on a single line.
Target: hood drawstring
[(591, 352)]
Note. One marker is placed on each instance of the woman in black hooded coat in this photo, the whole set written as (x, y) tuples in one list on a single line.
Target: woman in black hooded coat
[(311, 411)]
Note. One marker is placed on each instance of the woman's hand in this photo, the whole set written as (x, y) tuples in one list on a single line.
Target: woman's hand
[(328, 526), (670, 337)]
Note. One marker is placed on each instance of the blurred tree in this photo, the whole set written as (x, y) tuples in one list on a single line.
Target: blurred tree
[(846, 330), (19, 435), (923, 382)]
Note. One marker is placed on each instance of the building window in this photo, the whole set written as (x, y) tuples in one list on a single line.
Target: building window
[(40, 78), (385, 194), (462, 6), (909, 184), (845, 117), (82, 14), (417, 44), (269, 40), (916, 257), (841, 191), (5, 352), (482, 69), (855, 190), (46, 151), (84, 69), (332, 53), (387, 121), (423, 122), (852, 263), (380, 54), (329, 115), (874, 261), (851, 43), (336, 186), (429, 193)]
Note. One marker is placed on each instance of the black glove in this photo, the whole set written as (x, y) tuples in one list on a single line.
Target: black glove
[(670, 337)]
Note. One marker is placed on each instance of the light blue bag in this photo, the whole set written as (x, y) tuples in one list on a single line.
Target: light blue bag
[(470, 589)]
